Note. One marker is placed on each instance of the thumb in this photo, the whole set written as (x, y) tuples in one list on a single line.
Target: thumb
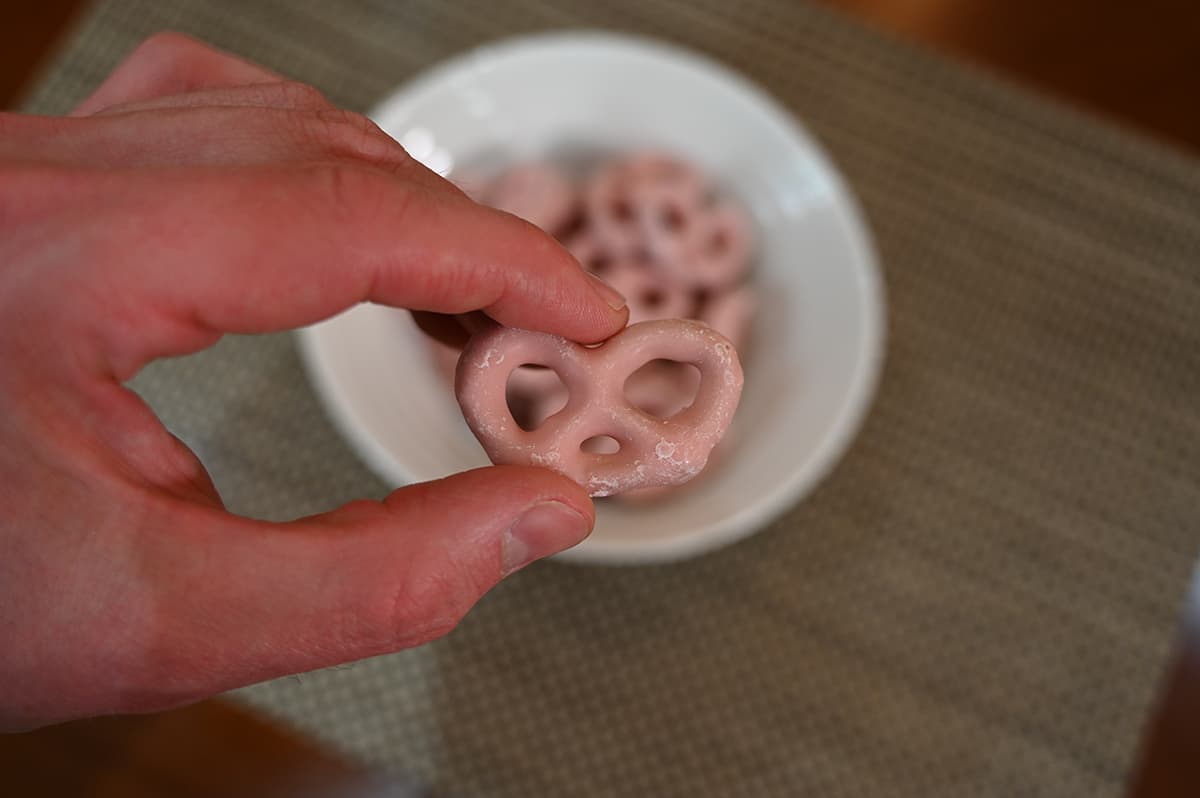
[(243, 601)]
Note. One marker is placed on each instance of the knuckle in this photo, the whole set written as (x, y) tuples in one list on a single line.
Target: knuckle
[(167, 41), (426, 607), (169, 49), (346, 134), (430, 592), (298, 94)]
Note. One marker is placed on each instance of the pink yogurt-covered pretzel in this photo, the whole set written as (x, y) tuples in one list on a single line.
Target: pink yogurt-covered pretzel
[(612, 196), (644, 496), (533, 394), (705, 247), (731, 313), (537, 192), (589, 251), (647, 294), (664, 169), (653, 451), (665, 217)]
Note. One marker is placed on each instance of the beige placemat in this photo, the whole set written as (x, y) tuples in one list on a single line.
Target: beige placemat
[(980, 600)]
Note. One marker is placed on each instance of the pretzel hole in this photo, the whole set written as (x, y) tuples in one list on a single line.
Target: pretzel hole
[(599, 262), (533, 394), (663, 388), (672, 219), (600, 444), (653, 298), (568, 229), (622, 211)]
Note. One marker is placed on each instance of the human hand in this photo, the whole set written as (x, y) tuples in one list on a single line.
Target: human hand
[(195, 194)]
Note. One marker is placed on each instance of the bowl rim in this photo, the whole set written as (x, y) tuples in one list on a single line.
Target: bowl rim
[(820, 460)]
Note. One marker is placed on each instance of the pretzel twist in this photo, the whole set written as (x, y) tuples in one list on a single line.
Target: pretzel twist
[(653, 451)]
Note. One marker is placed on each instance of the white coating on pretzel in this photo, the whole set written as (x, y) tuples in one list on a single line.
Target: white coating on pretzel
[(644, 496), (654, 451)]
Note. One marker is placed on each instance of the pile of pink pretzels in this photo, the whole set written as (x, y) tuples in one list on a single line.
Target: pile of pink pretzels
[(643, 411)]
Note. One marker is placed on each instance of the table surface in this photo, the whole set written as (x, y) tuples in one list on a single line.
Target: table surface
[(1137, 64)]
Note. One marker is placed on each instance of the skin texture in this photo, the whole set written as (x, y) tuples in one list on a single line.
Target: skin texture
[(195, 194)]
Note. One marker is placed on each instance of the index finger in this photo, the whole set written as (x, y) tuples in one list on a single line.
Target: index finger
[(202, 252)]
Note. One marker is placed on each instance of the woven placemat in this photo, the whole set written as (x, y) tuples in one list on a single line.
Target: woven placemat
[(979, 601)]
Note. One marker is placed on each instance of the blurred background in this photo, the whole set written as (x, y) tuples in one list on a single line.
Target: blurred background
[(1136, 65)]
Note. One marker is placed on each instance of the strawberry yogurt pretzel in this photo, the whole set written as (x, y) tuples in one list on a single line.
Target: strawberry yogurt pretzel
[(648, 295), (537, 192), (612, 197), (658, 207), (587, 248), (665, 216), (730, 313), (653, 451), (644, 496), (705, 247)]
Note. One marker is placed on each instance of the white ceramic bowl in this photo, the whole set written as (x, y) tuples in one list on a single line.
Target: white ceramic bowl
[(818, 340)]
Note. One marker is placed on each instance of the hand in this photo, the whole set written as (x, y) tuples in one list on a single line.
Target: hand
[(192, 195)]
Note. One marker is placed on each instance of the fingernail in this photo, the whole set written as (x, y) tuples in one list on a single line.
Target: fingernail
[(614, 298), (545, 528)]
